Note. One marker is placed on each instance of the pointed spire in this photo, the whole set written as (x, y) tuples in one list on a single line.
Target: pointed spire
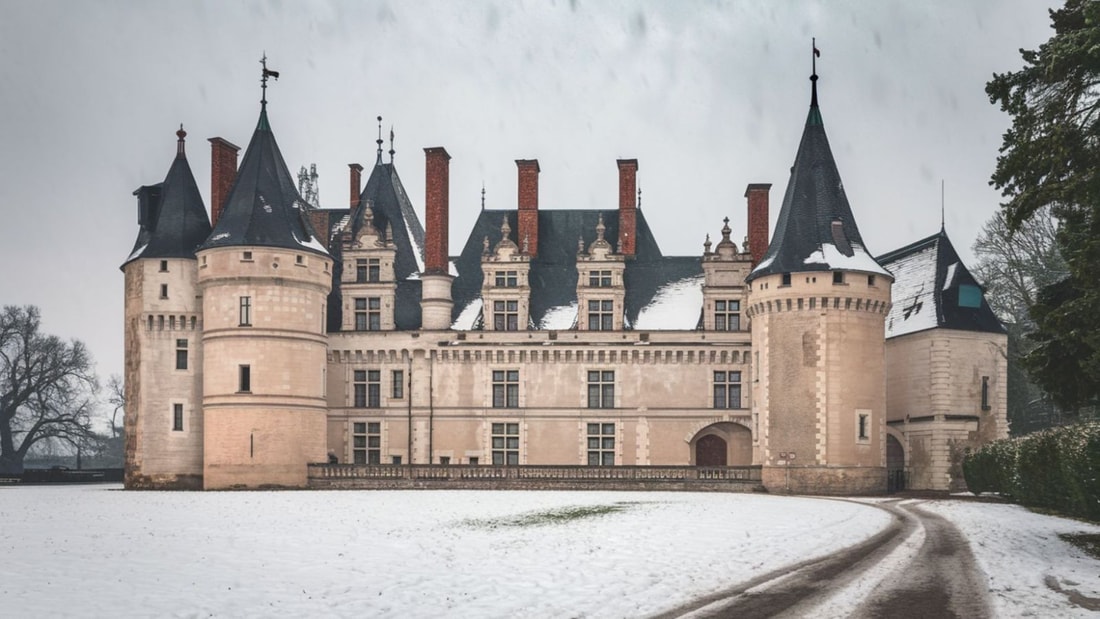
[(179, 143), (391, 145), (379, 141), (813, 76)]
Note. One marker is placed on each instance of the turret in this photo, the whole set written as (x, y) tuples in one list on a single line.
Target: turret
[(162, 334), (818, 302), (264, 276)]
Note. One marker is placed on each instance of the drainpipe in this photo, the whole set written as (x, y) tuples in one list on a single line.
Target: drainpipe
[(431, 405), (409, 403)]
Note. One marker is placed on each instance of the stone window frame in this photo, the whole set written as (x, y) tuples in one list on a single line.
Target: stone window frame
[(505, 388), (366, 388), (506, 279), (505, 443), (245, 311), (177, 417), (397, 384), (601, 315), (600, 278), (181, 354), (506, 315), (727, 312), (726, 383), (601, 388), (366, 442), (862, 428), (601, 438)]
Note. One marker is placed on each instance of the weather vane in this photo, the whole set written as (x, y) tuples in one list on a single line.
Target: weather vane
[(266, 74), (813, 76)]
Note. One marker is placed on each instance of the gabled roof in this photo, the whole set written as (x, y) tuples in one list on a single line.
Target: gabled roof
[(178, 223), (391, 206), (650, 278), (806, 238), (263, 207), (932, 288)]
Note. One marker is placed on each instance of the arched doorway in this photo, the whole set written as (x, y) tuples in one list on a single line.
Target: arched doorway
[(710, 450), (895, 464)]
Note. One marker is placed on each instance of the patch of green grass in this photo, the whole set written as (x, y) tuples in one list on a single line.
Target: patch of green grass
[(561, 515), (1088, 542)]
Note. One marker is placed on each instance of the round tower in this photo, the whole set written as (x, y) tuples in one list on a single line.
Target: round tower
[(818, 303), (162, 334), (264, 277)]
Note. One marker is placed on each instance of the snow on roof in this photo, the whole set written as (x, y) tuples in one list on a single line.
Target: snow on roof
[(950, 279), (312, 243), (860, 260), (467, 318), (137, 252), (417, 251), (913, 293), (676, 306), (560, 318)]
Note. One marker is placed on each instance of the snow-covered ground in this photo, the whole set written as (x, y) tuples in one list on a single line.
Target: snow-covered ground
[(96, 551)]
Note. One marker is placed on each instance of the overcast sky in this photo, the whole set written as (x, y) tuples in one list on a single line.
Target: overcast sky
[(708, 96)]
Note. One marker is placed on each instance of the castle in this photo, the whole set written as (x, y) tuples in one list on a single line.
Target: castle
[(274, 334)]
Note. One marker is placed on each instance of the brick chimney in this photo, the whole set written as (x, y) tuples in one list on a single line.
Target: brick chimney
[(436, 200), (628, 206), (757, 194), (356, 183), (223, 171), (528, 170)]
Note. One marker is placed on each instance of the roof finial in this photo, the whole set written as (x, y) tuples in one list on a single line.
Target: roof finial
[(600, 228), (391, 144), (179, 144), (483, 195), (813, 76), (263, 81), (379, 140), (943, 227)]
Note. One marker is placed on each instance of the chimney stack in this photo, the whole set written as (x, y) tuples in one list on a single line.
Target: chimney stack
[(528, 203), (436, 204), (223, 171), (628, 206), (356, 180), (436, 304), (757, 194)]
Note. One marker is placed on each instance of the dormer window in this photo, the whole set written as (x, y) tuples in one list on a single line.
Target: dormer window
[(507, 279), (599, 279), (727, 315)]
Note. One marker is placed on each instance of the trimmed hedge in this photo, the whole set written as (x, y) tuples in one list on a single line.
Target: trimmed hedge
[(1058, 469)]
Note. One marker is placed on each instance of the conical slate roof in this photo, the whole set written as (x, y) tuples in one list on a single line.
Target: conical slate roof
[(175, 223), (816, 230), (263, 208)]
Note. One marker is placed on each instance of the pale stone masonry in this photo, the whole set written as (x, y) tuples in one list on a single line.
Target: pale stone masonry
[(279, 335)]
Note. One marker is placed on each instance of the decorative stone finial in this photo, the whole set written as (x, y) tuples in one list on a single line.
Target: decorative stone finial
[(179, 144), (600, 228), (505, 229), (706, 246), (485, 245)]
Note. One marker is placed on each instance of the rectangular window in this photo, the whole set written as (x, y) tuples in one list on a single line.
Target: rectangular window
[(599, 279), (246, 312), (786, 280), (985, 393), (244, 377), (374, 270), (360, 270), (163, 266), (164, 291), (727, 389), (505, 315), (505, 444), (367, 388), (505, 388), (601, 315), (360, 314), (181, 354), (473, 460), (601, 389), (863, 427), (366, 445), (177, 417), (395, 459), (838, 277), (398, 387), (246, 255), (727, 315), (870, 280), (444, 459), (507, 279), (374, 316), (601, 444)]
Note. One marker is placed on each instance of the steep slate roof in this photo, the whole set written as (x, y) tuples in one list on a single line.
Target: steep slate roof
[(391, 206), (804, 238), (553, 274), (263, 208), (926, 293), (179, 222)]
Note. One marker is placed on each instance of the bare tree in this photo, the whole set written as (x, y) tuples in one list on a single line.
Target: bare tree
[(47, 388), (1013, 267)]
